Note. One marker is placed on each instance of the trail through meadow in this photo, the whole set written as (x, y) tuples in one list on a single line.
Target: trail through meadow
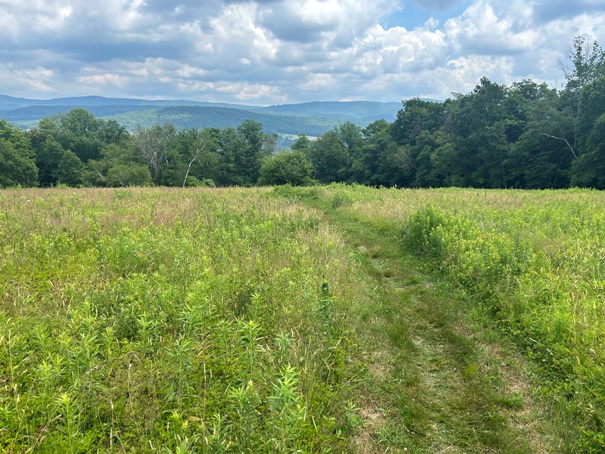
[(324, 319), (440, 380)]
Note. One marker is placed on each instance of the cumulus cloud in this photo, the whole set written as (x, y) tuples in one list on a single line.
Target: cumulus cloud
[(272, 51), (485, 31)]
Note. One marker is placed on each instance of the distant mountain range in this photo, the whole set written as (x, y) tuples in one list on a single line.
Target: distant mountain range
[(312, 118)]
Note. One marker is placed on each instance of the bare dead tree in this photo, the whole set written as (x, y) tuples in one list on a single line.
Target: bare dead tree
[(198, 151), (573, 152), (153, 145)]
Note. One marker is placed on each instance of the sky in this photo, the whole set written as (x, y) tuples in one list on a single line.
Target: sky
[(266, 52)]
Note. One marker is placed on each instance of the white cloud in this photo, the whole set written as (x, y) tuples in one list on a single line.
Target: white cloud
[(399, 50), (39, 79), (334, 23), (275, 51), (438, 4), (9, 27), (482, 30), (318, 81), (237, 36), (250, 92), (103, 79)]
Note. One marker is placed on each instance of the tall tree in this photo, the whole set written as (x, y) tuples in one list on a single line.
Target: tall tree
[(302, 143), (17, 158), (351, 138), (586, 64), (229, 145), (480, 143), (119, 166), (330, 158), (536, 160), (70, 169), (79, 131), (197, 154), (589, 169), (48, 156), (368, 165), (17, 166), (414, 131), (248, 158), (153, 145)]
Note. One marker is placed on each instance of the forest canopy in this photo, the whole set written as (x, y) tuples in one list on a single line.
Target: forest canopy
[(523, 135)]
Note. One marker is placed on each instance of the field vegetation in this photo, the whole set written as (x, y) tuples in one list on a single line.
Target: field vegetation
[(172, 321), (532, 265), (323, 319)]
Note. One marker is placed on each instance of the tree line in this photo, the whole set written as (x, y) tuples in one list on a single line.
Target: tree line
[(77, 149), (524, 135)]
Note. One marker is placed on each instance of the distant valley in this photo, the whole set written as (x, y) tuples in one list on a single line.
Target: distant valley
[(312, 118)]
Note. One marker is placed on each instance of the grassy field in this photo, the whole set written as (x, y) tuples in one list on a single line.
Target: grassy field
[(533, 267), (332, 319), (172, 321)]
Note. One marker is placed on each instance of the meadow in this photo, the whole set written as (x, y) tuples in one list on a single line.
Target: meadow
[(250, 320), (532, 262), (162, 320)]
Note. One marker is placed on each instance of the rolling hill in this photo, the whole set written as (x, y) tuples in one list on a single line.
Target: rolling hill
[(312, 118)]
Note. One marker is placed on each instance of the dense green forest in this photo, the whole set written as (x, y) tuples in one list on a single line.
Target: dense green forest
[(524, 135)]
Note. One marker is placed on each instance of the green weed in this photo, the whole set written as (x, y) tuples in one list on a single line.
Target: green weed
[(147, 320)]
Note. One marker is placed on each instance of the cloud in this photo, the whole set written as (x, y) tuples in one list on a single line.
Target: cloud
[(301, 21), (335, 22), (236, 36), (9, 27), (550, 10), (272, 51), (516, 29), (483, 30), (441, 5), (35, 79), (103, 79)]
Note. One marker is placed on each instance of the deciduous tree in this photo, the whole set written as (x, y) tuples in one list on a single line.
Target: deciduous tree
[(287, 167)]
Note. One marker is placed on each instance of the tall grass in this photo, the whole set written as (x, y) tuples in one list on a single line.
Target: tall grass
[(535, 261), (173, 321)]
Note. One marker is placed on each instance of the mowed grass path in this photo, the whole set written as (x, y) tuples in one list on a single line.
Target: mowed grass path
[(442, 378)]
